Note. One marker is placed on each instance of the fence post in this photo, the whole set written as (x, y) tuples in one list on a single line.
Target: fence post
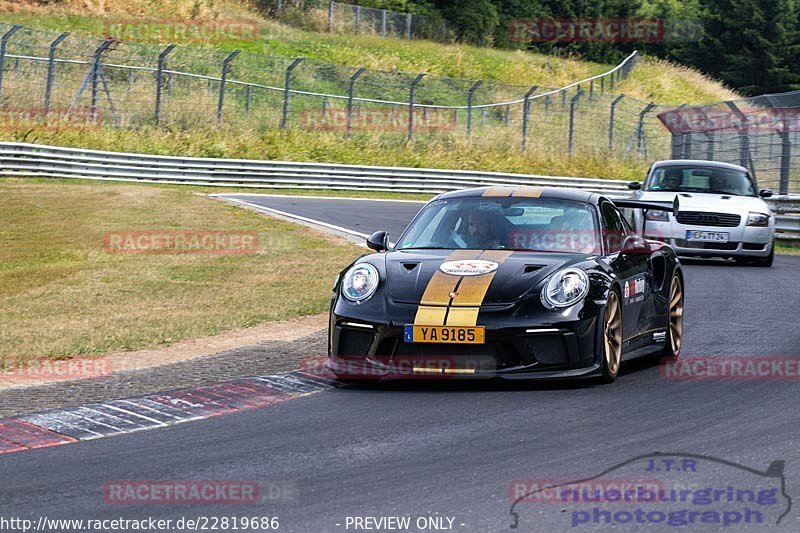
[(350, 90), (248, 99), (412, 89), (591, 89), (98, 53), (358, 18), (286, 92), (603, 84), (162, 57), (330, 16), (409, 17), (611, 114), (572, 103), (676, 141), (383, 23), (563, 99), (744, 138), (226, 64), (51, 71), (3, 42), (526, 109), (640, 140), (470, 94), (786, 158)]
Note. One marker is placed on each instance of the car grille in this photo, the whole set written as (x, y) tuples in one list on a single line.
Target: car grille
[(700, 218), (726, 246)]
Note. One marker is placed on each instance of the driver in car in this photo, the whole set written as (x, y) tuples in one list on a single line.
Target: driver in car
[(671, 180), (480, 232)]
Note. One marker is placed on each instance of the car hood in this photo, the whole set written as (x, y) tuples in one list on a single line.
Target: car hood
[(409, 272), (717, 203)]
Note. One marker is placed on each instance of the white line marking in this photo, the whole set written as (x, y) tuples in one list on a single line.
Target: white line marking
[(299, 217), (55, 423), (149, 408), (226, 195), (137, 415)]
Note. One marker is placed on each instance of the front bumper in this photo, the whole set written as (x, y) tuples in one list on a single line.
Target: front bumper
[(361, 349), (744, 241)]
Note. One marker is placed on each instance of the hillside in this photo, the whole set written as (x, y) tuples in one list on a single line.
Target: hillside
[(655, 79), (253, 133)]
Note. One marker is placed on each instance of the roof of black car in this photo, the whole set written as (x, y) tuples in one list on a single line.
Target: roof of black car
[(698, 163), (523, 191)]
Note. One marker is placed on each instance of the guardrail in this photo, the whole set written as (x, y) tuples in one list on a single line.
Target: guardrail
[(22, 159)]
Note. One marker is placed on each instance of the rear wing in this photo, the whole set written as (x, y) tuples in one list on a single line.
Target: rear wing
[(673, 207)]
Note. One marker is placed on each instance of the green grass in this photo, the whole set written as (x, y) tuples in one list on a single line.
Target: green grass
[(652, 79), (62, 293)]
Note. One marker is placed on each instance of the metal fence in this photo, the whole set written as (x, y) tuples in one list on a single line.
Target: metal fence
[(69, 80), (20, 159), (322, 15)]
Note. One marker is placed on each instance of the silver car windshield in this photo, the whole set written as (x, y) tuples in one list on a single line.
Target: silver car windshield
[(481, 223), (701, 179)]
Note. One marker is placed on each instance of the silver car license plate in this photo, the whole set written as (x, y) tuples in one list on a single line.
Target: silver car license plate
[(707, 236)]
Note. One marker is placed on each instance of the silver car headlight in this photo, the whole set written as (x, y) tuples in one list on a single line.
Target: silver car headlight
[(655, 215), (758, 219), (565, 288), (360, 282)]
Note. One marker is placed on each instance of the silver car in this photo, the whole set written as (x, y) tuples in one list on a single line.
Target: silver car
[(722, 211)]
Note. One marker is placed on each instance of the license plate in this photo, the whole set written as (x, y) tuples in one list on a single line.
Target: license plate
[(444, 334), (707, 236)]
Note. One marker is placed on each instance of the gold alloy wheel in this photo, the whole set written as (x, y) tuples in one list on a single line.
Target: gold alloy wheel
[(613, 334), (676, 316)]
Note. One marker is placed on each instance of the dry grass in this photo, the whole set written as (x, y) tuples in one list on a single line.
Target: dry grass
[(183, 9), (660, 81), (62, 294)]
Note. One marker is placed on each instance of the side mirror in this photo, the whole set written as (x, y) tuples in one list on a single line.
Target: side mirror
[(635, 186), (635, 244), (765, 193), (378, 241)]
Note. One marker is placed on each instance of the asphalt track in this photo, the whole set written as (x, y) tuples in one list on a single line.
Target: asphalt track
[(453, 450)]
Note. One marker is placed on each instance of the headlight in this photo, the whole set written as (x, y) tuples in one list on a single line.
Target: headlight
[(758, 219), (360, 282), (661, 216), (565, 288)]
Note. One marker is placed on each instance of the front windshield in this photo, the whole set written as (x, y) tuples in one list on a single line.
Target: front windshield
[(701, 179), (530, 224)]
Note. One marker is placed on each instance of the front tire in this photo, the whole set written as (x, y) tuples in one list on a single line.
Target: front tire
[(766, 261), (674, 343), (612, 338)]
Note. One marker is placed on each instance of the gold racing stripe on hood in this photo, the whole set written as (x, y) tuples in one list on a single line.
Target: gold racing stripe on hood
[(433, 306), (471, 292)]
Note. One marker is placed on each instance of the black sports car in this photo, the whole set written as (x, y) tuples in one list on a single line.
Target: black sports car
[(510, 282)]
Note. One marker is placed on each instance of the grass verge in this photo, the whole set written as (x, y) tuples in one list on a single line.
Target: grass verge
[(62, 294), (445, 151)]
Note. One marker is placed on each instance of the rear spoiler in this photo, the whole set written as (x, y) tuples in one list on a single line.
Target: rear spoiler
[(648, 206)]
